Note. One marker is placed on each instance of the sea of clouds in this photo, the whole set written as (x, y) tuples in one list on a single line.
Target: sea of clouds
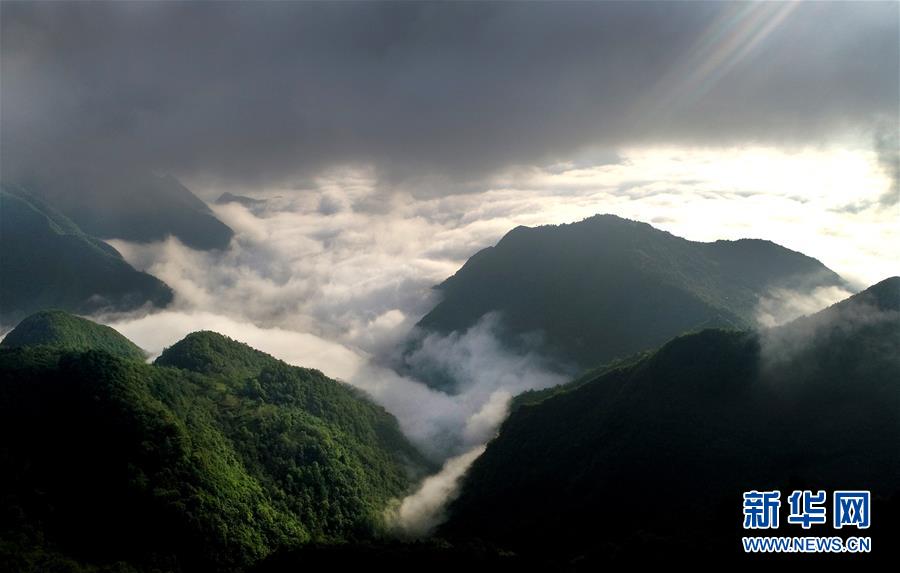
[(334, 274)]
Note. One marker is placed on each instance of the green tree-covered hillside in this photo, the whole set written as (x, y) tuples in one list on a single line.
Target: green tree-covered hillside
[(650, 459), (64, 331), (210, 459)]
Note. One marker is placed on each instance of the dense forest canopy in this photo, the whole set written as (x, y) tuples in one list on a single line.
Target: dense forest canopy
[(211, 458), (653, 455)]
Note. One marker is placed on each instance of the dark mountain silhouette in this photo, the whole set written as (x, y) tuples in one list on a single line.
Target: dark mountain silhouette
[(606, 287), (134, 206), (47, 262), (650, 460)]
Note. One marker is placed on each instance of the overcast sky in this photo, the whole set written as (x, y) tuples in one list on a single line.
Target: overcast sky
[(273, 93)]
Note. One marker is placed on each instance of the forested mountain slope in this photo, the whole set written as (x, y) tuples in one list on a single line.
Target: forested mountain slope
[(210, 459), (651, 459), (46, 261), (605, 288)]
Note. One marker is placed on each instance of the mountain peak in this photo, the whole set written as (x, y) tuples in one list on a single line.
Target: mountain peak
[(607, 287), (610, 218), (209, 352), (600, 220), (59, 329)]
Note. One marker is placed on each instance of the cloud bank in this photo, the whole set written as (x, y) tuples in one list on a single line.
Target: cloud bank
[(335, 278), (337, 288), (430, 93), (418, 514), (781, 306)]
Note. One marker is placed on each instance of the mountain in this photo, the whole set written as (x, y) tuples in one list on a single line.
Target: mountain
[(605, 288), (64, 331), (46, 261), (650, 460), (133, 206), (209, 459)]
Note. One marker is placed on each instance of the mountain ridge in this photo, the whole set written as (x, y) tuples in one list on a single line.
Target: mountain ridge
[(652, 456), (47, 261), (132, 206), (606, 287), (210, 464)]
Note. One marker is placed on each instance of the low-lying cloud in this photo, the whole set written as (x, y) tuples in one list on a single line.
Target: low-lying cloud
[(418, 514), (780, 345), (338, 288), (487, 374), (339, 292), (780, 305), (155, 332)]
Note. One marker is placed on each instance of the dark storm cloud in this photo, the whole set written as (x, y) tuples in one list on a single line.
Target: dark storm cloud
[(276, 91)]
